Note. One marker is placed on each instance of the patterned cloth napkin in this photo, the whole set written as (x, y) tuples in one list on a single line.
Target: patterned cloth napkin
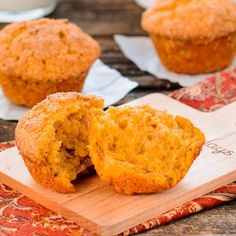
[(20, 215)]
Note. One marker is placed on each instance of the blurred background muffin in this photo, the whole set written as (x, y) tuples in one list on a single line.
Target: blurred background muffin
[(41, 57), (193, 36)]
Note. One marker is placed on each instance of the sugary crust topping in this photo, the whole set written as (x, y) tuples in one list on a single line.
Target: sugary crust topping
[(30, 128), (187, 19), (36, 134), (46, 49)]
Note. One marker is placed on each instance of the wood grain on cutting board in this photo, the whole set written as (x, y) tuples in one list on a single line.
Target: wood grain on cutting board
[(100, 209)]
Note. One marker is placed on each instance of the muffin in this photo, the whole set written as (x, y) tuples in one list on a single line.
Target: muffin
[(41, 57), (142, 150), (53, 139), (193, 36)]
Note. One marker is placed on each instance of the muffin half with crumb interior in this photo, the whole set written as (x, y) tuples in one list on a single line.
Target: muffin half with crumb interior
[(193, 36), (141, 149), (53, 139), (41, 57)]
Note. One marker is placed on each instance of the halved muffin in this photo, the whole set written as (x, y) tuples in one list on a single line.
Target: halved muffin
[(53, 139), (141, 149)]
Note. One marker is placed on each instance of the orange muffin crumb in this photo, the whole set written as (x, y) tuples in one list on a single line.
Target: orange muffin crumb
[(142, 150), (53, 139), (41, 57)]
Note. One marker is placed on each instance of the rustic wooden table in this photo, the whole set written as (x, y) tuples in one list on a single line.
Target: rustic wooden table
[(102, 19)]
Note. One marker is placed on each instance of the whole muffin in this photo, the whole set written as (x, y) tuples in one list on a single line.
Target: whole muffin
[(142, 150), (53, 139), (193, 36), (41, 57)]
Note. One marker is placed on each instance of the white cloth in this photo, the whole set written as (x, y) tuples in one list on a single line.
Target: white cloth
[(141, 52), (149, 3), (145, 3), (101, 80)]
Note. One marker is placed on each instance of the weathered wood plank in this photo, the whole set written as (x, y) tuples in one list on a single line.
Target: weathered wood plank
[(7, 129), (217, 221), (102, 17)]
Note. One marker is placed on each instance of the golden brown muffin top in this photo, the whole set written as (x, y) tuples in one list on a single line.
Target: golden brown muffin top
[(32, 127), (52, 138), (46, 50), (184, 19)]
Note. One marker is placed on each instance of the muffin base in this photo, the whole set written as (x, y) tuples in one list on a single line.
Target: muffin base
[(29, 93), (195, 56)]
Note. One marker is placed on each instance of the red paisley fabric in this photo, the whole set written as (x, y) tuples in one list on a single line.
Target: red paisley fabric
[(210, 94), (20, 215)]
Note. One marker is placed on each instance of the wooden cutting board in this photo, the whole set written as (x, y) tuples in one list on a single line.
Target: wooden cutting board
[(105, 212)]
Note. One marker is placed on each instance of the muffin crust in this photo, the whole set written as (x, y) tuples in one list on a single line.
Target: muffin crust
[(193, 36), (44, 56), (189, 19), (53, 139)]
